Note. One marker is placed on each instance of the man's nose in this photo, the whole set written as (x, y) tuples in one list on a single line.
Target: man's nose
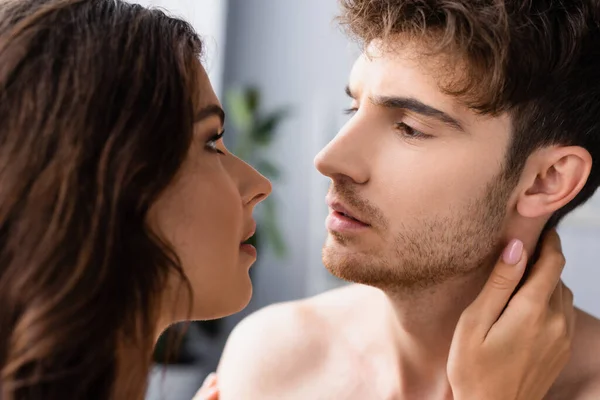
[(345, 157)]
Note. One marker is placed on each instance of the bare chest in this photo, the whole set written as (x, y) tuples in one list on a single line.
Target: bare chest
[(346, 373)]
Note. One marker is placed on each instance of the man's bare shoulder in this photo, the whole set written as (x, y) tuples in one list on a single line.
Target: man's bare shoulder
[(581, 377), (281, 345), (292, 328)]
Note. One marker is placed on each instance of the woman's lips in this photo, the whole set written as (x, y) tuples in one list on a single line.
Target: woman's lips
[(248, 249)]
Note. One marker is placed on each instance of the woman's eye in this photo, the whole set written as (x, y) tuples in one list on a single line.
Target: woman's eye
[(350, 111), (211, 144), (409, 132)]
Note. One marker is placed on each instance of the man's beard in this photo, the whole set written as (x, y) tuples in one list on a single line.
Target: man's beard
[(432, 251)]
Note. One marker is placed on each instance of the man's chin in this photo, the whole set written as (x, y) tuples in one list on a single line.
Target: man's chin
[(351, 243), (351, 265), (348, 263), (341, 252)]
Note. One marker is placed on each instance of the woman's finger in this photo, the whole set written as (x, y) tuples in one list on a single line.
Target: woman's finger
[(209, 389), (569, 306), (209, 394), (556, 300), (568, 309), (210, 381), (545, 274), (501, 284)]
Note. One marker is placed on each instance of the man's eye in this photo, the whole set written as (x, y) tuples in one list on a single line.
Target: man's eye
[(409, 132)]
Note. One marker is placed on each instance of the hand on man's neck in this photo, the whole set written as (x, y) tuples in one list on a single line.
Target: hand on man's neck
[(422, 322)]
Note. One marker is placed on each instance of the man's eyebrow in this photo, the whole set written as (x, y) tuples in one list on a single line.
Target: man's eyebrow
[(209, 111), (418, 107)]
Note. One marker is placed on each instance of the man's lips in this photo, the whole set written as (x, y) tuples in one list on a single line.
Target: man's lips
[(342, 210)]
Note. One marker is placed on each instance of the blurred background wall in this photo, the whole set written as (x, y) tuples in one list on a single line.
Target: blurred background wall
[(294, 54)]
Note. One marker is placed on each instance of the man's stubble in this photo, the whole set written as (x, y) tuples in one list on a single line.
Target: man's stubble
[(426, 253)]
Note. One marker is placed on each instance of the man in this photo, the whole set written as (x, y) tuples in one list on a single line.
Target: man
[(473, 122)]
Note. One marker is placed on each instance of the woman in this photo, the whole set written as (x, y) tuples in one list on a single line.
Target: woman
[(121, 212)]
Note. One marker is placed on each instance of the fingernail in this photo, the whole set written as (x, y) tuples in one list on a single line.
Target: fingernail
[(211, 377), (513, 252), (212, 394)]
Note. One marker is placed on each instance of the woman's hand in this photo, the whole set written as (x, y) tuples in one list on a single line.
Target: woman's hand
[(209, 389), (514, 352)]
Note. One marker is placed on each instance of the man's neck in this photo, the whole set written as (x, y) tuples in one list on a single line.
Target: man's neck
[(422, 325)]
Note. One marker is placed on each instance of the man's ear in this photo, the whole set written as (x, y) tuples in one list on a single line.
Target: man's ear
[(552, 177)]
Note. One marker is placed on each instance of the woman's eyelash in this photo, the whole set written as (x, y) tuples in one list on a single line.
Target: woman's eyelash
[(211, 143), (350, 111)]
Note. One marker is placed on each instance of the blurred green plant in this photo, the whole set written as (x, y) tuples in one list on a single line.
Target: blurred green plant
[(255, 130)]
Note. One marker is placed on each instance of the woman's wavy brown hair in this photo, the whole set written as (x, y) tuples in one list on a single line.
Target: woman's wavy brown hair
[(96, 117)]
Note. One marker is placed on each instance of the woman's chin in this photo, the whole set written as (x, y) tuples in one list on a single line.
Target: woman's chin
[(232, 302)]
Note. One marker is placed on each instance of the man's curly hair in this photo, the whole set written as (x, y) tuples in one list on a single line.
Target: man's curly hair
[(539, 60)]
